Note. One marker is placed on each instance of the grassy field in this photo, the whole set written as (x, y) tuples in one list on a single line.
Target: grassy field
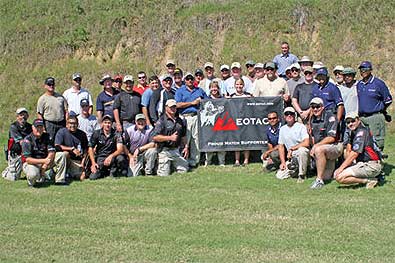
[(209, 215)]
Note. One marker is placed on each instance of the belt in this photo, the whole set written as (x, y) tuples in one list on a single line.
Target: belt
[(369, 114), (191, 114)]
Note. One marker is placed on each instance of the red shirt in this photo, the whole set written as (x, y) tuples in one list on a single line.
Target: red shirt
[(140, 89)]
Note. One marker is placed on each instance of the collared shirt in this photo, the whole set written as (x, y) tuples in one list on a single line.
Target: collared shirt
[(283, 61), (37, 148), (184, 94), (272, 134), (139, 89), (303, 93), (104, 103), (158, 102), (330, 94), (362, 143), (128, 105), (323, 126), (138, 138), (292, 83), (75, 139), (373, 96), (105, 145), (88, 125), (229, 85), (74, 97), (167, 126), (291, 136), (146, 97), (350, 98), (52, 107), (264, 87)]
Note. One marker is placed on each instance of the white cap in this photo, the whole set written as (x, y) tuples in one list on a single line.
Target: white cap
[(351, 115), (235, 65), (170, 61), (289, 109), (295, 65), (259, 65), (224, 67), (208, 64), (128, 77), (338, 68), (318, 65), (317, 100), (305, 59), (171, 103), (20, 110)]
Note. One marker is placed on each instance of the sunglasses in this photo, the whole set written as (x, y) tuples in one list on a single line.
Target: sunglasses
[(118, 81), (308, 73), (270, 119), (294, 70), (315, 106), (350, 121), (289, 113), (189, 79), (364, 69), (143, 77), (168, 80), (269, 69)]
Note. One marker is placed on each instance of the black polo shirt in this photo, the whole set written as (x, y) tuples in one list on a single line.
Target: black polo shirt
[(76, 139), (323, 126), (18, 132), (362, 142), (105, 145), (167, 126), (37, 147), (128, 105), (158, 102)]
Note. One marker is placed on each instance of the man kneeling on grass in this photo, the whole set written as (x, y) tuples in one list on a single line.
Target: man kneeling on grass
[(105, 152), (39, 153), (361, 150)]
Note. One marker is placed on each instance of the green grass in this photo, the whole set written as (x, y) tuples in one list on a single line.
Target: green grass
[(209, 215)]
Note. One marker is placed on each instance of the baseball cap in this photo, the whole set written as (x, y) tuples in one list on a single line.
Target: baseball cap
[(295, 65), (288, 68), (235, 65), (208, 65), (38, 122), (338, 68), (20, 110), (84, 102), (178, 71), (128, 77), (349, 71), (318, 65), (224, 67), (351, 115), (49, 81), (118, 77), (250, 62), (317, 100), (104, 78), (170, 62), (309, 69), (189, 74), (289, 109), (259, 65), (171, 103), (270, 65), (76, 76), (322, 71), (140, 116), (107, 116), (167, 76), (198, 71), (305, 59), (365, 64)]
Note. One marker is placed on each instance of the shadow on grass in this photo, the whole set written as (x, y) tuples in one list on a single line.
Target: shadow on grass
[(387, 169)]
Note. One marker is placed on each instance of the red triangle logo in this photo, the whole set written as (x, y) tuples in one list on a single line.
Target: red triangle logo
[(225, 124)]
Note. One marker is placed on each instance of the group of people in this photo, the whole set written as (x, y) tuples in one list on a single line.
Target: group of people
[(151, 127)]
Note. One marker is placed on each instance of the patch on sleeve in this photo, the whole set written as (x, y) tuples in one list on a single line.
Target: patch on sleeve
[(355, 147)]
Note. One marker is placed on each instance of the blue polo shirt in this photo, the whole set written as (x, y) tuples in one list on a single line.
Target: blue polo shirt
[(329, 93), (104, 103), (272, 134), (145, 99), (373, 96), (283, 61), (183, 94)]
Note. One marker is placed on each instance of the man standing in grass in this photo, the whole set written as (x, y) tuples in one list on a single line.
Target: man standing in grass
[(293, 146), (360, 149), (38, 151), (285, 59), (170, 134), (325, 150), (75, 94), (52, 108), (18, 130)]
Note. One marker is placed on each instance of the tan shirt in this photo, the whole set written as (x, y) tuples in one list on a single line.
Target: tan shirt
[(52, 108), (264, 87)]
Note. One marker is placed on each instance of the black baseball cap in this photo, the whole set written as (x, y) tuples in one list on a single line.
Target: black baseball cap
[(84, 102), (38, 122), (49, 81)]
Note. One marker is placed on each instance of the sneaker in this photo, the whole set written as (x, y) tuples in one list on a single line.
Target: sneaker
[(317, 184), (371, 183)]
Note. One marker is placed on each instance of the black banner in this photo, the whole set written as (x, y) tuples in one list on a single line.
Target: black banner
[(236, 124)]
